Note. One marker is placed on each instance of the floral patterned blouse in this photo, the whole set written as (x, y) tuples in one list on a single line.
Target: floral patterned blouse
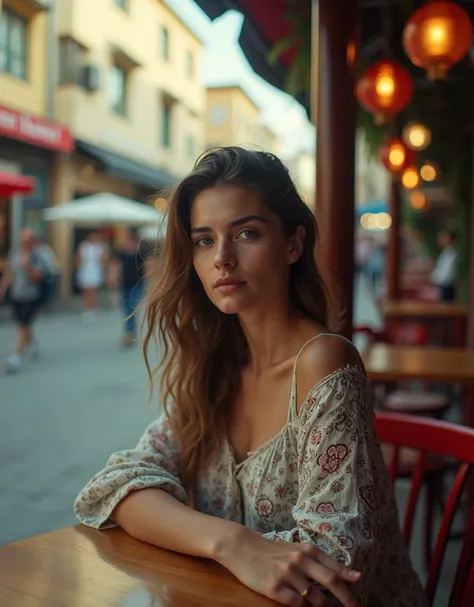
[(321, 479)]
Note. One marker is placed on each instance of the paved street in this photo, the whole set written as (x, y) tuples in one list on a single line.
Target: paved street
[(65, 413), (61, 418)]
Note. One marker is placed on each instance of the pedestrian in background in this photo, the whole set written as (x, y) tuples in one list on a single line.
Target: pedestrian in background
[(23, 278), (444, 273), (127, 271), (91, 261)]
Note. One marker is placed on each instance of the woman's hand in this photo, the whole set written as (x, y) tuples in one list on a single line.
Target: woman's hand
[(282, 571)]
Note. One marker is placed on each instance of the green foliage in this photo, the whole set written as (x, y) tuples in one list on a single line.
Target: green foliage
[(299, 40)]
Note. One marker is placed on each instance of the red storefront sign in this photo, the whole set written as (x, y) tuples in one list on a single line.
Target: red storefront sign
[(35, 130)]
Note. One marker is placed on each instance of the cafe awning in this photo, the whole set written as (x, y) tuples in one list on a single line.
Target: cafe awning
[(11, 184), (127, 169), (266, 23)]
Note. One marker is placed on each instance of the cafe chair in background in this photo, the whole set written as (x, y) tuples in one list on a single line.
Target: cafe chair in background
[(434, 440)]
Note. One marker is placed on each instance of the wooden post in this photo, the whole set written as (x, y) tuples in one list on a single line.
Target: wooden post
[(336, 42), (470, 335), (393, 249)]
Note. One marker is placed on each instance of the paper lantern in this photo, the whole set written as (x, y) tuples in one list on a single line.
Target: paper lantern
[(384, 90), (396, 156), (437, 36)]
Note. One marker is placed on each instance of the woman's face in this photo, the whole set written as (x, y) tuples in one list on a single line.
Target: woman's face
[(240, 252)]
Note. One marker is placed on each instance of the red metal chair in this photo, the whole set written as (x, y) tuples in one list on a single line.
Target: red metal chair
[(428, 437)]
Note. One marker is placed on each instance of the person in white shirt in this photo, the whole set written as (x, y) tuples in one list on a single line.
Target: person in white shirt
[(444, 273), (91, 261)]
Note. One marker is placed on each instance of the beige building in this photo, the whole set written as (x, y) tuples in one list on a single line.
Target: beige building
[(234, 119), (372, 180), (130, 90), (303, 172), (30, 141)]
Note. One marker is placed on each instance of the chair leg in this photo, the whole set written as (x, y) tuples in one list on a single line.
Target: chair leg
[(428, 521), (433, 503)]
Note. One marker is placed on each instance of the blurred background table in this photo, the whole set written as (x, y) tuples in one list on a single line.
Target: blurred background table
[(387, 363), (454, 316), (87, 568)]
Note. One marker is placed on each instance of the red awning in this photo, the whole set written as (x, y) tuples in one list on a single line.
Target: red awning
[(11, 184), (266, 23)]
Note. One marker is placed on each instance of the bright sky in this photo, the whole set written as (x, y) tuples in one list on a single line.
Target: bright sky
[(225, 63)]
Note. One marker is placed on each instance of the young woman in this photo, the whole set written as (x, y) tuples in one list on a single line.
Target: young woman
[(267, 460)]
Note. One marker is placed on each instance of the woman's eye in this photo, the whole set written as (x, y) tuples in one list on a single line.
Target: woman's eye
[(248, 234), (205, 241)]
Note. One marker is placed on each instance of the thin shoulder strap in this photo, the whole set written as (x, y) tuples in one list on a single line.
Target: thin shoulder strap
[(292, 408), (292, 413)]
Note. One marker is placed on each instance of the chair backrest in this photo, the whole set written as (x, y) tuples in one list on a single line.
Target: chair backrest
[(429, 436)]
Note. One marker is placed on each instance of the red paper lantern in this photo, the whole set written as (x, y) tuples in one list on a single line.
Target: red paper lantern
[(396, 156), (384, 90), (437, 36)]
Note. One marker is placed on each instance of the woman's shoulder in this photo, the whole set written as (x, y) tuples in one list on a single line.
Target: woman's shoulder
[(322, 357)]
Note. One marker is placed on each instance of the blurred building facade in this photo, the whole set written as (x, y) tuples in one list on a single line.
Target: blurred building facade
[(131, 91), (372, 180), (123, 77), (234, 119), (30, 141), (303, 172)]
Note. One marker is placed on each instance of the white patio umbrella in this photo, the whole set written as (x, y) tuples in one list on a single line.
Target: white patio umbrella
[(105, 209), (154, 232)]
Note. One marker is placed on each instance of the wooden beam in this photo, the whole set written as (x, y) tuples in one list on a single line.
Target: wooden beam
[(470, 335), (393, 249), (336, 39)]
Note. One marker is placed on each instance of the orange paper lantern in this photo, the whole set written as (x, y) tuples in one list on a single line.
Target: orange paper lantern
[(384, 90), (437, 36), (396, 156)]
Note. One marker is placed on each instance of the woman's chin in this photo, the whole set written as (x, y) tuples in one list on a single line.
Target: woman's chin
[(231, 305)]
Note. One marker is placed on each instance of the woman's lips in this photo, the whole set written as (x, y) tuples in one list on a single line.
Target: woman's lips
[(229, 287)]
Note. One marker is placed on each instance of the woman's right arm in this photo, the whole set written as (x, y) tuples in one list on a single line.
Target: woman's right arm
[(140, 491)]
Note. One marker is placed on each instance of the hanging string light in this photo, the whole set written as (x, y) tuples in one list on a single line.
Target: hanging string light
[(417, 136), (410, 178), (429, 172)]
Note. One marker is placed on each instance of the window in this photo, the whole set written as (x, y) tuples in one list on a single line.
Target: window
[(191, 147), (123, 4), (190, 64), (118, 90), (71, 61), (13, 44), (218, 115), (166, 125), (165, 44)]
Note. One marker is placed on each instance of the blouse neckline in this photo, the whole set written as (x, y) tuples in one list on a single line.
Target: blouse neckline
[(293, 414)]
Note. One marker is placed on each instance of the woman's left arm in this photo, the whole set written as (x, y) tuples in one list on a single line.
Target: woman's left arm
[(338, 508)]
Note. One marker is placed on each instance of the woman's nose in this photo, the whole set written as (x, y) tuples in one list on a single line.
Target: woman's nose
[(225, 256)]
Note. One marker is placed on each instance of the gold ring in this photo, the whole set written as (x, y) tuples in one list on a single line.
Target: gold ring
[(306, 591)]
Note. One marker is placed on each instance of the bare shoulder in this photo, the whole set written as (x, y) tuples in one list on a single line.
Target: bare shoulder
[(322, 357)]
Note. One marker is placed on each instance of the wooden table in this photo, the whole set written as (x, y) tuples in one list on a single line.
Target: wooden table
[(408, 308), (80, 567), (386, 363), (456, 314)]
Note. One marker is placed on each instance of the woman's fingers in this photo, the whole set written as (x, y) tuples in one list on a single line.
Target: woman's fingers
[(293, 593), (348, 574), (331, 580)]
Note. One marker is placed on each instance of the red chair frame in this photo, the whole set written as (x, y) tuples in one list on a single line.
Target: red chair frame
[(430, 436)]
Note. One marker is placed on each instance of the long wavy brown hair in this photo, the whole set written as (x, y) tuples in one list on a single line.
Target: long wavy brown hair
[(202, 350)]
